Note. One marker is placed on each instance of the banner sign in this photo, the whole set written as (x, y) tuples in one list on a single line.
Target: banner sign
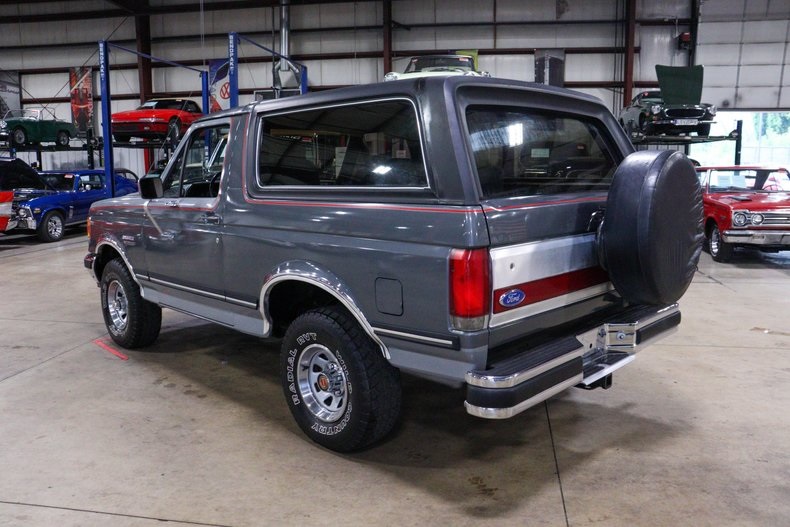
[(81, 83), (219, 85)]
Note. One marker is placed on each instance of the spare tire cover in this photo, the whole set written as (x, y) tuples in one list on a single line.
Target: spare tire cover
[(651, 236)]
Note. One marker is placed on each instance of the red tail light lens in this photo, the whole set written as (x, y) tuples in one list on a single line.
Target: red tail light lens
[(470, 286)]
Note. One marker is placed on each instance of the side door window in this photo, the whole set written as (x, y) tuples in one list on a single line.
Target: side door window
[(198, 167)]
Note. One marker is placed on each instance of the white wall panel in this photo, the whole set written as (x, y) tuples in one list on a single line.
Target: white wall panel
[(718, 54), (721, 96), (719, 32), (556, 36), (765, 31), (718, 76), (663, 9), (754, 97), (753, 38), (589, 67), (417, 38), (455, 11), (468, 38), (658, 45), (518, 67), (45, 86), (760, 76), (121, 82)]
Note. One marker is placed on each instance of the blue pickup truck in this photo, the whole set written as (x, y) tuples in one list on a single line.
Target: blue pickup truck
[(50, 201)]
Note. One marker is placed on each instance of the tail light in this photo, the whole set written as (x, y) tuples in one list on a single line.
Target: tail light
[(470, 288), (89, 227)]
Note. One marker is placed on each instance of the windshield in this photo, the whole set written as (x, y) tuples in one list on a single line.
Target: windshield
[(519, 151), (439, 63), (164, 105), (60, 181), (748, 180)]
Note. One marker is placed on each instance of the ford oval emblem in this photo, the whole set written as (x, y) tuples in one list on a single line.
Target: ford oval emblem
[(512, 298)]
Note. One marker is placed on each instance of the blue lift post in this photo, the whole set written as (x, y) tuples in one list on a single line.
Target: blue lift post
[(106, 106), (233, 66)]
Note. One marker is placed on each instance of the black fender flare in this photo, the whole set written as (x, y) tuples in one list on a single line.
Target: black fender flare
[(651, 236)]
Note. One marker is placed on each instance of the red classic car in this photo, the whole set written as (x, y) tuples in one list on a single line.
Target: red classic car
[(156, 119), (745, 206)]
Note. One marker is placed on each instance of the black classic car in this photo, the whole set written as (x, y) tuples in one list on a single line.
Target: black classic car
[(674, 109), (649, 114)]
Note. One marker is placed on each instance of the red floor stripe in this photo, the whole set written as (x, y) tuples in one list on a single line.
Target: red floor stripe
[(104, 346)]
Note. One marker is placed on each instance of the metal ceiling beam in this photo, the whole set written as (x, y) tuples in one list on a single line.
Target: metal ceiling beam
[(130, 8)]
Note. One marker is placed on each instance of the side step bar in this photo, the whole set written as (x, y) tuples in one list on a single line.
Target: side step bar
[(586, 360)]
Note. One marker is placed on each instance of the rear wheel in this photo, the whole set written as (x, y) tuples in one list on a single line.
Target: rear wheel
[(51, 227), (63, 138), (341, 391), (720, 250), (132, 321), (122, 138), (173, 130)]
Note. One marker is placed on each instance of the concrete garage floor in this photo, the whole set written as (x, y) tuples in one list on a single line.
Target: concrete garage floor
[(195, 431)]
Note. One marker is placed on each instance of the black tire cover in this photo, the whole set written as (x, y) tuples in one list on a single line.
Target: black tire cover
[(651, 236)]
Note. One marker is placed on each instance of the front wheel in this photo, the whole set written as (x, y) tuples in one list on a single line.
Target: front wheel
[(342, 392), (132, 321), (720, 250), (51, 227), (19, 137)]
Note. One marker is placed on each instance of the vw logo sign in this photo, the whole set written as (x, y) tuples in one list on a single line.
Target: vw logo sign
[(512, 298)]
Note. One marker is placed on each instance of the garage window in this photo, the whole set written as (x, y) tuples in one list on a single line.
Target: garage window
[(518, 151), (374, 144)]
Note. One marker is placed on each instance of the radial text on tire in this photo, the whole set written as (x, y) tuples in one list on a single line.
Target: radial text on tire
[(132, 321), (341, 390)]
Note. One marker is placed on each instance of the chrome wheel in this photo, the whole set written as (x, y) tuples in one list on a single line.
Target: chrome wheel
[(322, 383), (715, 241), (55, 227), (117, 306)]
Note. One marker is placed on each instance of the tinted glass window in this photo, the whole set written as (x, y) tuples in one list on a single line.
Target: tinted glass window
[(59, 181), (368, 145), (522, 152)]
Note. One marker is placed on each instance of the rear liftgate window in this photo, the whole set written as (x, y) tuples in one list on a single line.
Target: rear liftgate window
[(524, 152), (374, 144)]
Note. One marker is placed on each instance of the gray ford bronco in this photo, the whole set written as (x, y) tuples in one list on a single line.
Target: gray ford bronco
[(493, 235)]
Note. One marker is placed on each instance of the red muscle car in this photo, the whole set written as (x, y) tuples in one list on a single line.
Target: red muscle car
[(745, 206), (156, 119)]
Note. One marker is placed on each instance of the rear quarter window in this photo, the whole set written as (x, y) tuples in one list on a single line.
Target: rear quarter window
[(520, 151), (367, 144)]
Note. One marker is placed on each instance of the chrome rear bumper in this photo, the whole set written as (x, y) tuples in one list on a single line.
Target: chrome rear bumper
[(587, 359)]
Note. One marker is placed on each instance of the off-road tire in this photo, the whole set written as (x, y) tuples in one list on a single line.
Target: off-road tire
[(132, 321), (342, 392)]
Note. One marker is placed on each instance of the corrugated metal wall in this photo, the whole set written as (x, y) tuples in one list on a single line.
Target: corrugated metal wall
[(742, 43)]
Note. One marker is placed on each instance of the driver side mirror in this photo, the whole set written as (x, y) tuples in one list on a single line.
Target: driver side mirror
[(150, 187)]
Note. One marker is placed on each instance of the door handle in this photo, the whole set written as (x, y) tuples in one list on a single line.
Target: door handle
[(171, 203), (209, 219)]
